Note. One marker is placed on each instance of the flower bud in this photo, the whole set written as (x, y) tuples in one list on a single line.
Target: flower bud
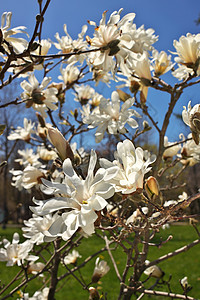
[(184, 282), (101, 269), (151, 187), (94, 295), (122, 95), (60, 143), (153, 271)]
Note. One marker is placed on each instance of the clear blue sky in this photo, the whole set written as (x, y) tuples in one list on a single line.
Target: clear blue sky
[(170, 19)]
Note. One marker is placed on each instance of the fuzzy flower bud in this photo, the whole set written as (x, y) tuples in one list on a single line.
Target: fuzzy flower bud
[(60, 143)]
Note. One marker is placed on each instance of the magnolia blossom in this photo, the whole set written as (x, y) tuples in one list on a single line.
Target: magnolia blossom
[(83, 93), (15, 253), (141, 67), (82, 197), (112, 117), (37, 96), (137, 215), (32, 177), (127, 171), (153, 271), (67, 45), (39, 295), (34, 268), (112, 41), (101, 269), (69, 75), (46, 154), (184, 282), (172, 150), (191, 117), (71, 258), (188, 50), (28, 157), (23, 133), (190, 152), (18, 44), (162, 62), (37, 228)]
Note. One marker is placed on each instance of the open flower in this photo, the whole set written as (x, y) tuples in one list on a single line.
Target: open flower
[(82, 197), (171, 150), (16, 253), (112, 117), (37, 96), (127, 171), (23, 133), (162, 62), (113, 42), (71, 258), (18, 44), (101, 269), (191, 117), (36, 228), (188, 50)]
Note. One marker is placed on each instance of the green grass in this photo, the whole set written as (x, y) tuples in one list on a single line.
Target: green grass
[(185, 264)]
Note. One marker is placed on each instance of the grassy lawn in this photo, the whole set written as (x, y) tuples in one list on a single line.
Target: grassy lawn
[(185, 264)]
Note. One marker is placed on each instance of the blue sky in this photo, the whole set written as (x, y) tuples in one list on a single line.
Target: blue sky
[(170, 19)]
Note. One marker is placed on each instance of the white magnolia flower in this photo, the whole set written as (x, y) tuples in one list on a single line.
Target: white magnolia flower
[(161, 62), (71, 258), (23, 133), (37, 96), (44, 46), (101, 269), (28, 157), (182, 72), (37, 227), (15, 253), (113, 42), (46, 154), (82, 197), (17, 179), (34, 268), (69, 75), (137, 215), (190, 152), (141, 66), (67, 45), (188, 50), (39, 295), (83, 93), (184, 282), (18, 44), (127, 171), (191, 117), (32, 177), (172, 150), (112, 117), (153, 271)]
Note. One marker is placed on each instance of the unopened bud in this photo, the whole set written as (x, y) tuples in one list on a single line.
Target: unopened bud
[(122, 95), (41, 120), (94, 295), (60, 143), (146, 125), (152, 187)]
